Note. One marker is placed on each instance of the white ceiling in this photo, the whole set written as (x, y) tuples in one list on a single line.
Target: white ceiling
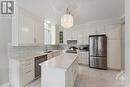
[(82, 10)]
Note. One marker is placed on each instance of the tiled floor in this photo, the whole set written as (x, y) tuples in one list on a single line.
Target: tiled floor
[(89, 77), (92, 78)]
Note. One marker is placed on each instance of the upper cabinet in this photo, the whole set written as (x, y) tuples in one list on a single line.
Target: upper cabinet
[(82, 32), (100, 29), (113, 31), (27, 29)]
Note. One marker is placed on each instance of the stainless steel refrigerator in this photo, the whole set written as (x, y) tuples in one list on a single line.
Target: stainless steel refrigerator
[(98, 51)]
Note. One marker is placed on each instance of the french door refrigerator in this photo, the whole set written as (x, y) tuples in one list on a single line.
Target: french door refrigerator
[(98, 51)]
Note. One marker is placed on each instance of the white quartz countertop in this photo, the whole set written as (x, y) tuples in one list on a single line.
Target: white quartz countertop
[(20, 58), (62, 61)]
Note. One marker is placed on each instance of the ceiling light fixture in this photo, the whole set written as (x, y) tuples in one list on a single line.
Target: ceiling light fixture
[(67, 19)]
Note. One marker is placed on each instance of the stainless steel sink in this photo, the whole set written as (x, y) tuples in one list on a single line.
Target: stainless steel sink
[(48, 52)]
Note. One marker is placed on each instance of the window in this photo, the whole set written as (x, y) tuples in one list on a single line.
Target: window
[(49, 32)]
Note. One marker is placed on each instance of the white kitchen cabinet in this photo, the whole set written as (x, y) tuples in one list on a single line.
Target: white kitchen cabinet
[(21, 72), (26, 29), (113, 31), (83, 57), (85, 38), (38, 39), (69, 78), (80, 37), (92, 30), (71, 74), (65, 71), (101, 29), (114, 54), (67, 36), (74, 35)]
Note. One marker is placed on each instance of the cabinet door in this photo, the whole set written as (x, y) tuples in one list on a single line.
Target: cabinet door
[(38, 33), (69, 78), (113, 31), (114, 54), (26, 33), (79, 58), (92, 30), (67, 36), (75, 70), (74, 35), (85, 37), (101, 30), (85, 58), (80, 37)]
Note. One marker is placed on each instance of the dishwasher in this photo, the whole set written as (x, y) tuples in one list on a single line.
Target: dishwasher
[(39, 60)]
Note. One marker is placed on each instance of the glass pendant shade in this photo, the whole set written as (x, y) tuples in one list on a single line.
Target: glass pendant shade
[(67, 20)]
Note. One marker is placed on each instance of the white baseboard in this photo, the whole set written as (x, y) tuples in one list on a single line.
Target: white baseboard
[(5, 85)]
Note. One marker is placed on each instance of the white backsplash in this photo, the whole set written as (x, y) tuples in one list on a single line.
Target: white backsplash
[(24, 51)]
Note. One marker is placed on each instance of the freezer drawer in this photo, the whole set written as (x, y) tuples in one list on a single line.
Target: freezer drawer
[(98, 62)]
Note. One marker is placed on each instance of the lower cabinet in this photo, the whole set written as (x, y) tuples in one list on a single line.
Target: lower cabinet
[(21, 72), (83, 57), (71, 74), (114, 54)]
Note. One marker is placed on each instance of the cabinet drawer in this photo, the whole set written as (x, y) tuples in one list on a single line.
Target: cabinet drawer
[(27, 64), (27, 61), (28, 76), (25, 68)]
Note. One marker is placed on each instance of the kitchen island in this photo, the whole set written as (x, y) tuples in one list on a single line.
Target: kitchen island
[(60, 71)]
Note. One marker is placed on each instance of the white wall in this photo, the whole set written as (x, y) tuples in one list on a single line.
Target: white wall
[(127, 39), (5, 37)]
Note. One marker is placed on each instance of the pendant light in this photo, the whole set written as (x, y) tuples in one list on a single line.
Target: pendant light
[(67, 19)]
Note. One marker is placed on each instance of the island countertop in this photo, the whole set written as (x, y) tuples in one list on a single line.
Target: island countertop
[(63, 61)]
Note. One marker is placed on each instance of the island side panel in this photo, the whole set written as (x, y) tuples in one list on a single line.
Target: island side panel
[(52, 77)]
